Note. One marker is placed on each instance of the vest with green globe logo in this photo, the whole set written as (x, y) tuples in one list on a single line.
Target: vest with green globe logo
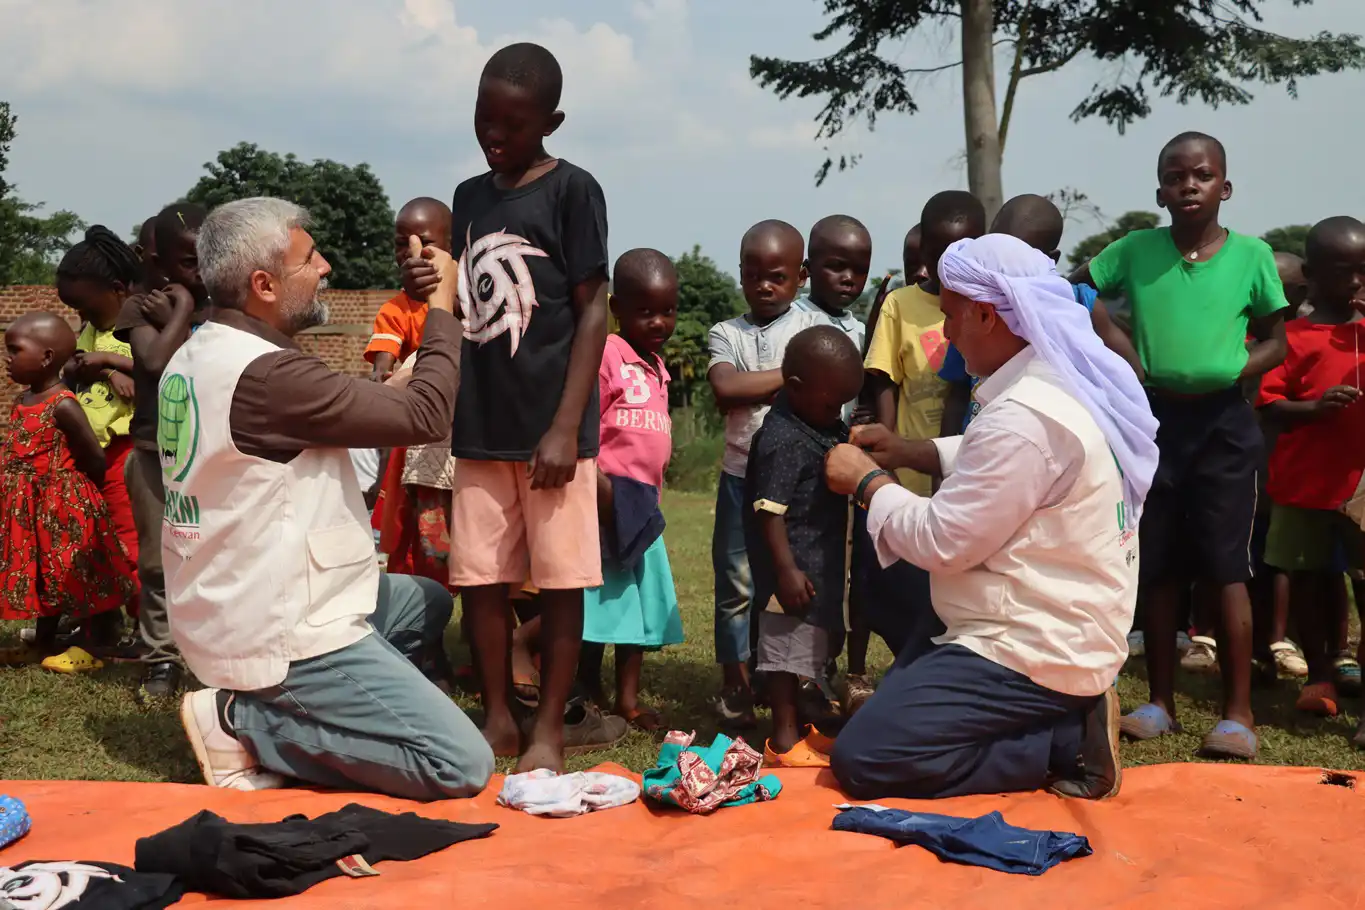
[(177, 441)]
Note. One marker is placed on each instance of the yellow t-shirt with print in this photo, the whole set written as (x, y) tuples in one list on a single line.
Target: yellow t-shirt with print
[(109, 415), (908, 346)]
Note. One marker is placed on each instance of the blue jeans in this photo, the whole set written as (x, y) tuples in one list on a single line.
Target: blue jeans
[(948, 722), (365, 717), (730, 562)]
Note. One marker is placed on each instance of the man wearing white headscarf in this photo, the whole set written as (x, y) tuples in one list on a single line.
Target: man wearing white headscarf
[(1031, 545)]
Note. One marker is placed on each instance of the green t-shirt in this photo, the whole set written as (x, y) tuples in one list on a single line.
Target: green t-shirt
[(1190, 318)]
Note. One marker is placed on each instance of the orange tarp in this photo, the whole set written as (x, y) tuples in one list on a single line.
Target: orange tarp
[(1202, 836)]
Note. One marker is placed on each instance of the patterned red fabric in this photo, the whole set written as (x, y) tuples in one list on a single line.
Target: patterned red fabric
[(115, 492), (60, 552), (412, 525)]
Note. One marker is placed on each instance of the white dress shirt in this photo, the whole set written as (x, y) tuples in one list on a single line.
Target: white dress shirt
[(1031, 565)]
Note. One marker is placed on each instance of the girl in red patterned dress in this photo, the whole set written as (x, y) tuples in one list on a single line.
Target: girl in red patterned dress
[(59, 554)]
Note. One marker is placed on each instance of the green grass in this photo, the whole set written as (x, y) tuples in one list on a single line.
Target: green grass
[(57, 727)]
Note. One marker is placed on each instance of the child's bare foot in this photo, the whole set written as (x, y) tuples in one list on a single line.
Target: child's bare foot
[(502, 737), (643, 719), (542, 755)]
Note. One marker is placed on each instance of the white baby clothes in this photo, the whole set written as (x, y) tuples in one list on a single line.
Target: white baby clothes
[(542, 792)]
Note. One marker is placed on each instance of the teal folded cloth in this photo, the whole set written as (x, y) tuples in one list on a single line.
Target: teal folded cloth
[(702, 779)]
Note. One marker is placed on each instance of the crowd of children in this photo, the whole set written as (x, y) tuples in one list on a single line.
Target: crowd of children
[(550, 483)]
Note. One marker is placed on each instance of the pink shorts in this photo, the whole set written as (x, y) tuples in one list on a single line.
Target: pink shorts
[(503, 532)]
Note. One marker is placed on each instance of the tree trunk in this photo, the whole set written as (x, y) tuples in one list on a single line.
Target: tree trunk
[(978, 104)]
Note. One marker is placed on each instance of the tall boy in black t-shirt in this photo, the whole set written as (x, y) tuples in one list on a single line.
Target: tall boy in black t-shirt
[(531, 239)]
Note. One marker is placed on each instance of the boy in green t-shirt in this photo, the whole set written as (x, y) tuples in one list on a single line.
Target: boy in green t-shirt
[(1196, 289)]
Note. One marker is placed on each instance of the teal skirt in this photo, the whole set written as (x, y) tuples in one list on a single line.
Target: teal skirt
[(636, 607)]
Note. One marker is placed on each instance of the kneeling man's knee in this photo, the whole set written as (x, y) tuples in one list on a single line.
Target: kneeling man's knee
[(459, 768), (853, 771)]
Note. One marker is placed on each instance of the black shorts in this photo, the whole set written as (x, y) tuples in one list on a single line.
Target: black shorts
[(1200, 515)]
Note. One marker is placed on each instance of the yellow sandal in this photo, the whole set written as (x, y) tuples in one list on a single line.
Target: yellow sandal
[(73, 660)]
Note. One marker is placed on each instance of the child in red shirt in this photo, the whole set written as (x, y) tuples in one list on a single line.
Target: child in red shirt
[(1319, 456)]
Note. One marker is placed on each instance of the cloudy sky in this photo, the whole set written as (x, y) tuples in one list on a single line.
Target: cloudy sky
[(122, 101)]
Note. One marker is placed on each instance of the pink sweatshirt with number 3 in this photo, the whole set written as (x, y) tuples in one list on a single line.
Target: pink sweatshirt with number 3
[(637, 434)]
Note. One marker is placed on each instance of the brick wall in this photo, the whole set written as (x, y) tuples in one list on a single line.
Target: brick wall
[(341, 344)]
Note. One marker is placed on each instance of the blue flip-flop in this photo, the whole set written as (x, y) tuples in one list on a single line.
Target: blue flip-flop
[(1147, 722), (1230, 740)]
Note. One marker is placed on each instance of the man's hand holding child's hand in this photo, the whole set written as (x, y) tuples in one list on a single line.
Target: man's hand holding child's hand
[(431, 275)]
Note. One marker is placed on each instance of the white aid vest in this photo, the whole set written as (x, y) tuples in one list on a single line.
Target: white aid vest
[(1056, 601), (266, 563)]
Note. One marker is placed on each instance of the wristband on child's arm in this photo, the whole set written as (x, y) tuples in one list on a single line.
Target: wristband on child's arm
[(860, 496)]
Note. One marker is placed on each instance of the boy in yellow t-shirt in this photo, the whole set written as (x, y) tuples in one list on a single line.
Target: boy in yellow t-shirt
[(908, 345), (902, 366)]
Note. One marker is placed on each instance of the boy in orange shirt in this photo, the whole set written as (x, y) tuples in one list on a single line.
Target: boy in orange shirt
[(413, 509), (399, 323)]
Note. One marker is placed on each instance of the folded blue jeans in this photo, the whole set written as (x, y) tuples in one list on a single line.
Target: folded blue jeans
[(986, 841)]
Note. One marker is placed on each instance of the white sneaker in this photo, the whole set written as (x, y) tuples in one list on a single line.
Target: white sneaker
[(1202, 657), (223, 761), (1288, 660)]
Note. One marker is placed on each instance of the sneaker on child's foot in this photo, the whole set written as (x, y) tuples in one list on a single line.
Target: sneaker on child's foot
[(1288, 660), (1202, 657), (858, 690), (160, 680), (587, 729), (1346, 672), (735, 708), (223, 761)]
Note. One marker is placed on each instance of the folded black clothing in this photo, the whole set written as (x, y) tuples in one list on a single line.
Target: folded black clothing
[(210, 854), (42, 885)]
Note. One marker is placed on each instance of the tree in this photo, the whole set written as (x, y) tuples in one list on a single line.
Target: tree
[(706, 296), (29, 243), (1193, 50), (352, 220), (1288, 239), (1128, 222)]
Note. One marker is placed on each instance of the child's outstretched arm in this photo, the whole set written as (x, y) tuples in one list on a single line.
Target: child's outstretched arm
[(80, 439), (556, 457)]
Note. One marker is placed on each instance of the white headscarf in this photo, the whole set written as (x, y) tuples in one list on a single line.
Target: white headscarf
[(1038, 305)]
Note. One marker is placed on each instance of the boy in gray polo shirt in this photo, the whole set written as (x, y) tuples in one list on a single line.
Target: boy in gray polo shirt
[(745, 373)]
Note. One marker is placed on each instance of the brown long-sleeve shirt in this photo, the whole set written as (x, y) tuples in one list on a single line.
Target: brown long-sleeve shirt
[(287, 401)]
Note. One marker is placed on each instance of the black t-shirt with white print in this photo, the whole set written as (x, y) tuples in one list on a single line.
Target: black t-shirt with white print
[(85, 886), (521, 253)]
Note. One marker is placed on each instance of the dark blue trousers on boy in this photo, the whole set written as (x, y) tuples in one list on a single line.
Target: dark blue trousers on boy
[(948, 722)]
